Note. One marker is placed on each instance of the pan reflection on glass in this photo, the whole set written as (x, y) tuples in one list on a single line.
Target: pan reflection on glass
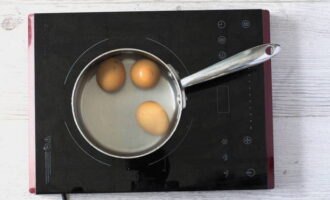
[(109, 121)]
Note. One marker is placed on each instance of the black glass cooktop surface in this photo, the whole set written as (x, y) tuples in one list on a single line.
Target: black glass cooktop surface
[(224, 139)]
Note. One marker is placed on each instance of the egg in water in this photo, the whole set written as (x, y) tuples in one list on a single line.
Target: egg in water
[(145, 73), (110, 75), (152, 118)]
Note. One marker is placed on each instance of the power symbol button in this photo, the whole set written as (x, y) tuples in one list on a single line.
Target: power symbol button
[(221, 24)]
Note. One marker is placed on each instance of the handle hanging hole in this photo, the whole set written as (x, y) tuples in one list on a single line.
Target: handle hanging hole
[(269, 50)]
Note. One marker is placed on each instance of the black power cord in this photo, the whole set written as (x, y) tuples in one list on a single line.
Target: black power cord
[(64, 196)]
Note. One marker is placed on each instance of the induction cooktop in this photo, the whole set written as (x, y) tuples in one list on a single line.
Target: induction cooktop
[(224, 138)]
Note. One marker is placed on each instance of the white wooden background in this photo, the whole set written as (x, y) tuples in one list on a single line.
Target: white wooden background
[(301, 94)]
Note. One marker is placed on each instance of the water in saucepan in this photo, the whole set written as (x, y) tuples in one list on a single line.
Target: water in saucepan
[(109, 118)]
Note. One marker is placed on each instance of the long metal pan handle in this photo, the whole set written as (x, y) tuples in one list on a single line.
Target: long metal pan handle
[(240, 61)]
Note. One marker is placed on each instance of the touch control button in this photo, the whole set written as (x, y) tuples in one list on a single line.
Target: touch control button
[(245, 23), (250, 172), (226, 173), (221, 24), (222, 55), (225, 157), (222, 39), (247, 140), (224, 141)]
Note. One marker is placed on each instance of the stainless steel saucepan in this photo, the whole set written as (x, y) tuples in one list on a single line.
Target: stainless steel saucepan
[(107, 120)]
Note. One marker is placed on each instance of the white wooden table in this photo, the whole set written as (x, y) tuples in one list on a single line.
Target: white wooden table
[(301, 94)]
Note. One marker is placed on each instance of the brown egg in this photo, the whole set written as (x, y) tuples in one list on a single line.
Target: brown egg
[(152, 118), (110, 75), (145, 73)]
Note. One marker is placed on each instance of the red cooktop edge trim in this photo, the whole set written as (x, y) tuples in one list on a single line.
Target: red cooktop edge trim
[(31, 124), (268, 103)]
